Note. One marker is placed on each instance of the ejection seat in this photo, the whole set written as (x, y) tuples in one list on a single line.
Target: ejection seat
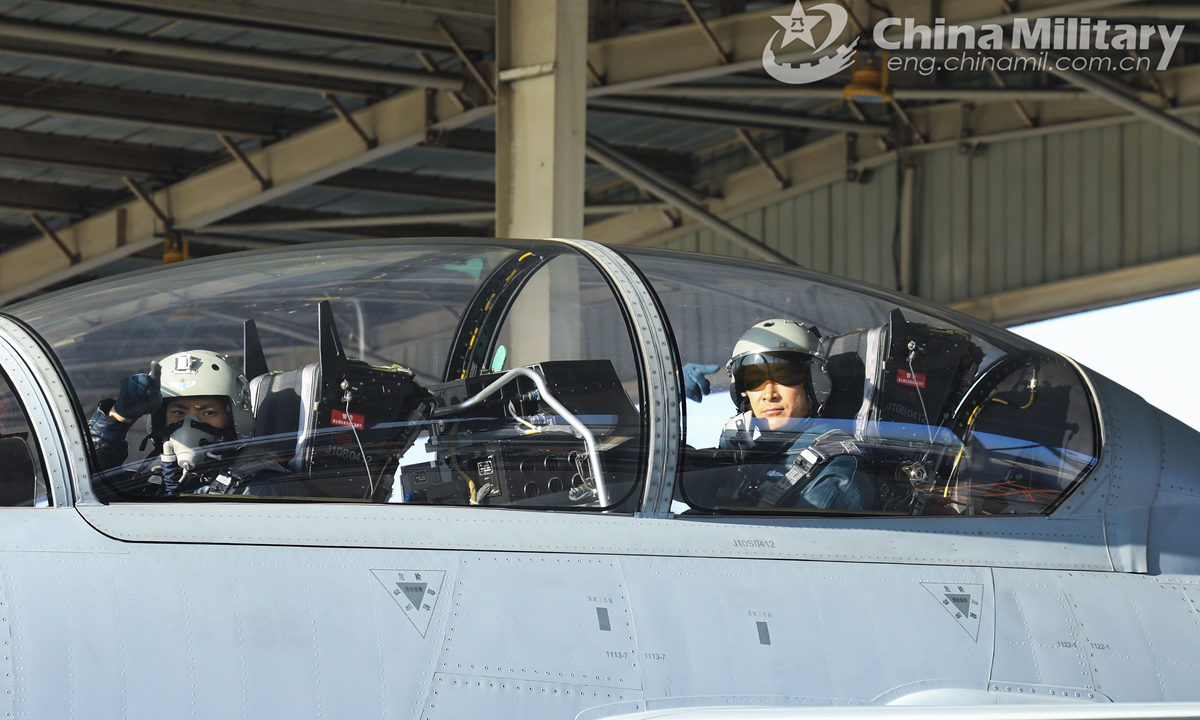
[(893, 383), (336, 425), (283, 409), (898, 372)]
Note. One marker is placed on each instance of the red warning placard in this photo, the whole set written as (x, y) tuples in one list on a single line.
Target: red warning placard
[(354, 420), (905, 377)]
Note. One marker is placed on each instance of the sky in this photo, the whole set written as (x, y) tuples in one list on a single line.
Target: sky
[(1149, 347)]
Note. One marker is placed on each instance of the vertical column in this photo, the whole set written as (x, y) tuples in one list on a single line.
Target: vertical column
[(541, 57), (908, 200)]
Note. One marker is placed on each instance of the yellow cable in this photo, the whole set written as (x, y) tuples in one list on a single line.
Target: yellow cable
[(453, 442)]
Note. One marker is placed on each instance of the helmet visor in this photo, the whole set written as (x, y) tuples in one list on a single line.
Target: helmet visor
[(754, 371)]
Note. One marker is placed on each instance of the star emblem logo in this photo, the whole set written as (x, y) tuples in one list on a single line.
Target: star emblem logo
[(798, 26), (810, 64)]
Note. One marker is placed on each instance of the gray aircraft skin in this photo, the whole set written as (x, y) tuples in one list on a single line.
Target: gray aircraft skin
[(1034, 541)]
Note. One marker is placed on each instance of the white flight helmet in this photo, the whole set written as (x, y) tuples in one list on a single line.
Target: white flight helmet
[(780, 340), (199, 372)]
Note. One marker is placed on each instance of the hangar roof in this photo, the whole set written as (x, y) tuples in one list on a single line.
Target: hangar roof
[(100, 99)]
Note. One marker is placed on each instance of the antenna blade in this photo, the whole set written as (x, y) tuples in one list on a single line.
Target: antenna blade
[(327, 332), (254, 362)]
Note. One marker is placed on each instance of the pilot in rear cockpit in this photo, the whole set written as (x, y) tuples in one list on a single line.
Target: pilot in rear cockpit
[(787, 455), (199, 419)]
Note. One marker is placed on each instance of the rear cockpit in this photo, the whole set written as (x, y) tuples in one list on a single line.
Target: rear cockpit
[(929, 416)]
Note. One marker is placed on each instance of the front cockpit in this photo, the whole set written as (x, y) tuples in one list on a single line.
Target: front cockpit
[(456, 374)]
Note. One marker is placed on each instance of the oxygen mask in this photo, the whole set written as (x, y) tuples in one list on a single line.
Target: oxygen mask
[(187, 440)]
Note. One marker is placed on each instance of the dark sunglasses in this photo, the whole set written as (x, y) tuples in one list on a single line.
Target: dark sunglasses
[(755, 375)]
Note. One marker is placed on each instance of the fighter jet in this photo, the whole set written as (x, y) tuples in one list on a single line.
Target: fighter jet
[(454, 478)]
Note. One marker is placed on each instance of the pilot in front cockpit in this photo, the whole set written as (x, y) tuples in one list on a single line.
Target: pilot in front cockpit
[(199, 418), (788, 456)]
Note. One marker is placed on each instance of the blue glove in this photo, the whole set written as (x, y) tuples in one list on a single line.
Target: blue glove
[(695, 385), (139, 394)]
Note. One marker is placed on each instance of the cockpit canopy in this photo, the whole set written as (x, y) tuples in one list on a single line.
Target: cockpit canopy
[(518, 374)]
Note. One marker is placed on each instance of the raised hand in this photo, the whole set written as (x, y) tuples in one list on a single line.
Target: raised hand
[(695, 385), (139, 394)]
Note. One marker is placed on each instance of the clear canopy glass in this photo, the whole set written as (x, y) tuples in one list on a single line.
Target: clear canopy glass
[(927, 412), (365, 351), (505, 373)]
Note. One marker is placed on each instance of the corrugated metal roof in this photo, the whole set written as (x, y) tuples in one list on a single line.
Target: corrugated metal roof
[(666, 134), (209, 33), (455, 163), (328, 199)]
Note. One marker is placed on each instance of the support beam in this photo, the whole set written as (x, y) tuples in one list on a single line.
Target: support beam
[(355, 221), (340, 110), (541, 117), (324, 221), (831, 92), (598, 150), (1103, 89), (598, 209), (67, 52), (55, 199), (467, 62), (816, 162), (144, 161), (236, 152), (484, 142), (149, 202), (406, 22), (1025, 116), (72, 255), (1089, 292), (639, 61), (142, 108), (763, 159), (823, 162), (101, 156), (223, 191), (1041, 130), (203, 52), (640, 170), (713, 114), (290, 220), (722, 56), (233, 243), (439, 187), (908, 202), (222, 54), (465, 139)]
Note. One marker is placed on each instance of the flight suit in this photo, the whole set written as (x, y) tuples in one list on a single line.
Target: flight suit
[(778, 472)]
